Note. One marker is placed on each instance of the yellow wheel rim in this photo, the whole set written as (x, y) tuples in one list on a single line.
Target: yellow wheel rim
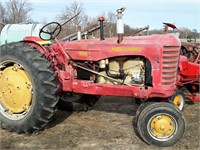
[(162, 126), (15, 89), (177, 100)]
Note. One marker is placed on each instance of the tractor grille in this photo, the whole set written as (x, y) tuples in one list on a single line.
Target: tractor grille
[(170, 64)]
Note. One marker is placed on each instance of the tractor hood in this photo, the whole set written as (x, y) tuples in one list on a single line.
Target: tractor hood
[(95, 49)]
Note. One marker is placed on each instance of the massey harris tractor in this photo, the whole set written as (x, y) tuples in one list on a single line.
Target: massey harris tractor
[(35, 75)]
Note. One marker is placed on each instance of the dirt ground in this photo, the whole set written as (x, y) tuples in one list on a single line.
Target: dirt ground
[(107, 126)]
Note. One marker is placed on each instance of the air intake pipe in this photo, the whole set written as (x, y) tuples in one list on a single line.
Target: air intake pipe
[(120, 24)]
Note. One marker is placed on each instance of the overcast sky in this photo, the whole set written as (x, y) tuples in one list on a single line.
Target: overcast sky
[(139, 13)]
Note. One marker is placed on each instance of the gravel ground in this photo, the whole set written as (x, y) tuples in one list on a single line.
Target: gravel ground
[(107, 126)]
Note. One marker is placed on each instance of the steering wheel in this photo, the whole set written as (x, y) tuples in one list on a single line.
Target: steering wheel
[(191, 39), (54, 26)]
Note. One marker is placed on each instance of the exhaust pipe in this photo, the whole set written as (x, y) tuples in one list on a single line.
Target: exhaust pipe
[(101, 20)]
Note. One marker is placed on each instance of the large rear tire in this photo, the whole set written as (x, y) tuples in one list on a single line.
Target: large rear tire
[(161, 124), (28, 89)]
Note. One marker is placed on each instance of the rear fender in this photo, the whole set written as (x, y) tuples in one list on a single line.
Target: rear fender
[(37, 43)]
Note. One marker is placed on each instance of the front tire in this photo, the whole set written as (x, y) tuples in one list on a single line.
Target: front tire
[(161, 124), (28, 93)]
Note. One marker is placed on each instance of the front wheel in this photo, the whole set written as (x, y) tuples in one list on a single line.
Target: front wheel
[(161, 124)]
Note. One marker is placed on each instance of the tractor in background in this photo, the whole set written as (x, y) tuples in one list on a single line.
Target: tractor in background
[(34, 77), (188, 70)]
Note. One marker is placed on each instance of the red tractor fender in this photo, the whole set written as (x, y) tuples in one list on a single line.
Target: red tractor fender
[(37, 43), (188, 69)]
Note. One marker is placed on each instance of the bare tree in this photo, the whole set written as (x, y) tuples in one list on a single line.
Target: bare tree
[(15, 11), (2, 13), (111, 23), (185, 32), (2, 16), (84, 20), (69, 11)]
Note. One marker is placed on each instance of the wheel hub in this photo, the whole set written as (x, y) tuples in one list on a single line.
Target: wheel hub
[(162, 126), (15, 89)]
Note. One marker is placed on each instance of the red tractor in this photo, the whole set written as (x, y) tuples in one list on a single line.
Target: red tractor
[(34, 74)]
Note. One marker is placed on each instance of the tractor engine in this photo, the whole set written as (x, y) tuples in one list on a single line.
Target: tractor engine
[(127, 70)]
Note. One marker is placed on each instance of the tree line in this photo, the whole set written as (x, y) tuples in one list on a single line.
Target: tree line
[(18, 11)]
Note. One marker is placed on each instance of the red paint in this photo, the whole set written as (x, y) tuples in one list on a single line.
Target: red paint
[(189, 76)]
